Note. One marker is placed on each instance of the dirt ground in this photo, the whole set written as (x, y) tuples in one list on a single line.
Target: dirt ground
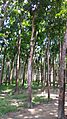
[(41, 111)]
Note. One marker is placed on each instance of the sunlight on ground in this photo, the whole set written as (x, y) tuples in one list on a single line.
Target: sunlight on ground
[(26, 117), (6, 91), (37, 116), (10, 118), (54, 113), (16, 102), (56, 104), (51, 113), (53, 96), (30, 117), (20, 115), (42, 94), (41, 107), (40, 110), (33, 111), (2, 97)]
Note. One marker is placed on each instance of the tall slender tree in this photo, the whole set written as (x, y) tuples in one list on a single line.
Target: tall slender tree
[(30, 60), (48, 75), (61, 113)]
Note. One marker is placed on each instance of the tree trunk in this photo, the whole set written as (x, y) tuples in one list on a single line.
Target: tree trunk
[(45, 74), (37, 75), (2, 69), (8, 73), (48, 72), (45, 68), (24, 74), (30, 60), (53, 74), (61, 101), (42, 72), (18, 63), (12, 70), (7, 81)]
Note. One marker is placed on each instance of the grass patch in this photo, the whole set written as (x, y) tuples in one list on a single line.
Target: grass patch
[(5, 107), (22, 97), (35, 86), (7, 89), (40, 99), (10, 102)]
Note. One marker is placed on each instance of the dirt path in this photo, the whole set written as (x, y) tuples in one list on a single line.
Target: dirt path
[(41, 111)]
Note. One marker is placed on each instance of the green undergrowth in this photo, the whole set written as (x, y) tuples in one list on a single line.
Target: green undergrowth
[(5, 106), (12, 102), (36, 86), (6, 89), (9, 101), (41, 100)]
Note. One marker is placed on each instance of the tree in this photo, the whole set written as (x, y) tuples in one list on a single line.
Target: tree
[(30, 60), (48, 72), (61, 114), (18, 62)]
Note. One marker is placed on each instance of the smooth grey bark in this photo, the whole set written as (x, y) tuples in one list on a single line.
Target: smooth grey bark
[(61, 100), (24, 69), (42, 72), (53, 74), (30, 60), (18, 62), (48, 71), (8, 72), (7, 79), (2, 69), (12, 70)]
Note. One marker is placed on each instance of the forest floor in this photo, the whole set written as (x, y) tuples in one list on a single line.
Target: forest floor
[(42, 109)]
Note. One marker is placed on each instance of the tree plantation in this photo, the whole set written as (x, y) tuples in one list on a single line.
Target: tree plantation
[(33, 59)]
